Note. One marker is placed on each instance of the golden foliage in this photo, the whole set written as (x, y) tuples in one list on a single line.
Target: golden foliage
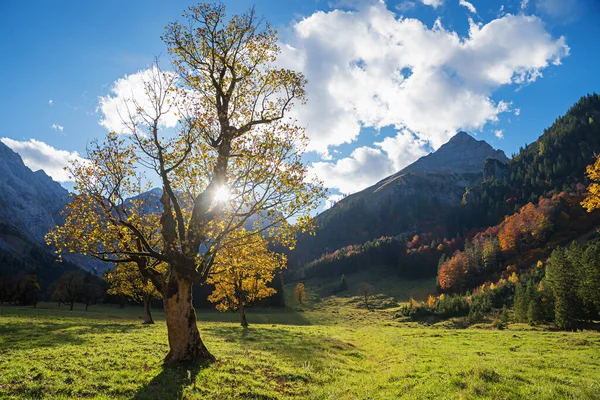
[(233, 136), (299, 292), (431, 301), (242, 272), (592, 200), (126, 280)]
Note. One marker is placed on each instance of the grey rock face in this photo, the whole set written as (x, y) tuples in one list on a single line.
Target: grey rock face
[(444, 173), (461, 155), (30, 201)]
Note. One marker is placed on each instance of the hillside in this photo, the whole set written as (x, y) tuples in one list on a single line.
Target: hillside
[(416, 199), (29, 201), (554, 163), (30, 205)]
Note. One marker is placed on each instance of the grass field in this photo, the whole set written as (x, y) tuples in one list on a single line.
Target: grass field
[(325, 349)]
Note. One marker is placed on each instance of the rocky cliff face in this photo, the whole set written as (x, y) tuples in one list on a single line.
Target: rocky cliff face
[(443, 174), (30, 205), (29, 201), (459, 162), (463, 154)]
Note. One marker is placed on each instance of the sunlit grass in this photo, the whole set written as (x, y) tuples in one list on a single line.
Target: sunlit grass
[(327, 349)]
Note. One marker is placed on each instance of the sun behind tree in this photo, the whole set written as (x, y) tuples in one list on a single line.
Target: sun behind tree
[(234, 132)]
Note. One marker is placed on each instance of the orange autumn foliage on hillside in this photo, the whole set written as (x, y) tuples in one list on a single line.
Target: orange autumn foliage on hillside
[(528, 228)]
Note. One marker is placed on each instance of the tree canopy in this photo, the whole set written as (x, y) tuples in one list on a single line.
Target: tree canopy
[(233, 161)]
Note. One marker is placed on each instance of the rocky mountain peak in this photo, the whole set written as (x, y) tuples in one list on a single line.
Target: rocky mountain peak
[(462, 137), (463, 154)]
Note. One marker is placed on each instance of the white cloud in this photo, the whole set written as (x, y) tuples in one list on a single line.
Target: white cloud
[(499, 134), (367, 165), (433, 3), (425, 82), (39, 155), (361, 169), (331, 200), (50, 102), (129, 91), (470, 6), (564, 11), (57, 127), (390, 71), (405, 6), (402, 149), (524, 4)]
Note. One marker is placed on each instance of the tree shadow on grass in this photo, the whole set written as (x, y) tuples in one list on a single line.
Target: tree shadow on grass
[(290, 344), (170, 382), (29, 335), (251, 363)]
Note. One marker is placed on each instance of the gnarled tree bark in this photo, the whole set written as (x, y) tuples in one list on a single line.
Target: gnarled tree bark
[(184, 338)]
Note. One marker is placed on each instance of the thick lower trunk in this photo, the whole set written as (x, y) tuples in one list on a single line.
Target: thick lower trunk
[(71, 306), (184, 339), (147, 310), (243, 320)]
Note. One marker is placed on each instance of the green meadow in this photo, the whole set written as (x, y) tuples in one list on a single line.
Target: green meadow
[(327, 348)]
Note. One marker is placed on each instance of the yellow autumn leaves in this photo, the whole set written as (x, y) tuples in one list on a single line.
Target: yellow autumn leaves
[(242, 272), (592, 201)]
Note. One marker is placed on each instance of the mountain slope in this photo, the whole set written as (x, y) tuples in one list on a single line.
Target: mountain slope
[(415, 199), (555, 162), (29, 201), (30, 205)]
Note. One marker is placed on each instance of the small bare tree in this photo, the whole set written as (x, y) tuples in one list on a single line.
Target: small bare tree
[(365, 291)]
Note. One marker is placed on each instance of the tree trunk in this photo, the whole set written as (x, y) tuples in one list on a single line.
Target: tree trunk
[(71, 306), (86, 306), (243, 320), (147, 310), (184, 339)]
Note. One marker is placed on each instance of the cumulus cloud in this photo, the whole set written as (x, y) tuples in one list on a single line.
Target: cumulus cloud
[(468, 5), (350, 174), (499, 134), (433, 3), (367, 165), (391, 71), (57, 127), (39, 155), (50, 102), (129, 93), (394, 71)]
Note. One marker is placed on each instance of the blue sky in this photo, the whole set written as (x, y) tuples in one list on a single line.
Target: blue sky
[(387, 81)]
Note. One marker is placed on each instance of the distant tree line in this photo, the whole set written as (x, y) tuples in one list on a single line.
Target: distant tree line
[(416, 258)]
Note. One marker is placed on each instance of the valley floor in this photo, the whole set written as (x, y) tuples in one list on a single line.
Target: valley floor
[(330, 349)]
